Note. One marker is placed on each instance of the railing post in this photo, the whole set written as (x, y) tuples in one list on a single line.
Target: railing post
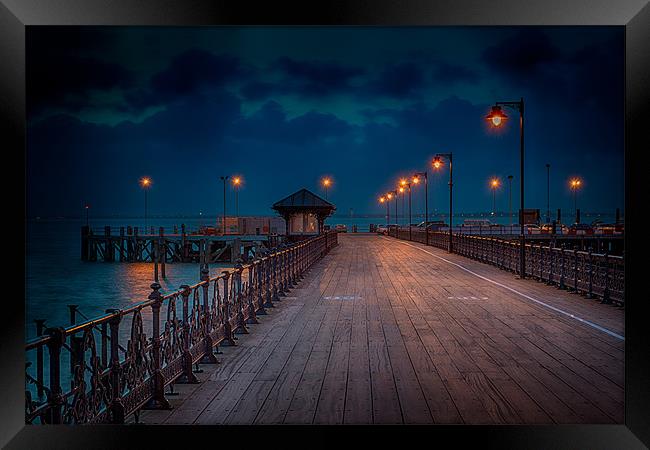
[(274, 264), (116, 406), (229, 338), (590, 294), (162, 252), (259, 286), (551, 258), (188, 376), (606, 298), (251, 294), (575, 270), (208, 354), (268, 300), (239, 303), (158, 401), (55, 400), (40, 323), (562, 264)]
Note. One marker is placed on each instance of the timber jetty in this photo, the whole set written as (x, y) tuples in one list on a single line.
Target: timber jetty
[(129, 244)]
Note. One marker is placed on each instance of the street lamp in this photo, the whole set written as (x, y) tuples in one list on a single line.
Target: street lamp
[(145, 183), (236, 183), (383, 199), (437, 165), (510, 177), (401, 191), (548, 193), (497, 117), (416, 180), (575, 184), (389, 196), (223, 224), (326, 182), (494, 185), (405, 184)]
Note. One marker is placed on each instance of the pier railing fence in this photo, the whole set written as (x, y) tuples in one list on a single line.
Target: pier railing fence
[(111, 378), (596, 275)]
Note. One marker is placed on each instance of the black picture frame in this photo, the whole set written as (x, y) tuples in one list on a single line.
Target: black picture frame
[(634, 15)]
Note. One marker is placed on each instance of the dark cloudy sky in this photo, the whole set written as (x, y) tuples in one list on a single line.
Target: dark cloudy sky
[(284, 106)]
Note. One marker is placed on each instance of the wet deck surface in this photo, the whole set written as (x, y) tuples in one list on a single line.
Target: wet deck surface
[(385, 331)]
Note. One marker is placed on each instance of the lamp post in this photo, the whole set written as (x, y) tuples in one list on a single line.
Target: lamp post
[(548, 193), (383, 200), (437, 164), (497, 118), (236, 183), (494, 185), (407, 185), (401, 191), (145, 183), (326, 182), (416, 180), (223, 224), (575, 184), (87, 207), (389, 196), (510, 201)]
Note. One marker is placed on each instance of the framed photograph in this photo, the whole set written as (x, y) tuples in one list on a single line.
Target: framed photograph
[(405, 217)]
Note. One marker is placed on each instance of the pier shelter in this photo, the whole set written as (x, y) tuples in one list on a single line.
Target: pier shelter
[(304, 213)]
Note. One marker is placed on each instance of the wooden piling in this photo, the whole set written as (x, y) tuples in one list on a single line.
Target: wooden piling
[(85, 233), (109, 249)]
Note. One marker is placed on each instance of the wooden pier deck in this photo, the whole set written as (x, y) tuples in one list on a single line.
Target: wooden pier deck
[(387, 331)]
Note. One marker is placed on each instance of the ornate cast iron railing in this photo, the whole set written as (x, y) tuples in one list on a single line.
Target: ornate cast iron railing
[(595, 275), (167, 335)]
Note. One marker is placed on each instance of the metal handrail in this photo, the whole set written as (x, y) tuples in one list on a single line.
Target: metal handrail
[(108, 390)]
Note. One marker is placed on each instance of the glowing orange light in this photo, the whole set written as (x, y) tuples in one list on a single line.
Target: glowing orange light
[(416, 180), (402, 182), (494, 183), (437, 163), (236, 181), (145, 182), (496, 116), (382, 199), (326, 182), (575, 183), (401, 189), (389, 195)]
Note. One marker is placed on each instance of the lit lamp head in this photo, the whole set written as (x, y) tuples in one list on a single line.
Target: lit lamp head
[(437, 163), (145, 182), (401, 189), (416, 179), (236, 181), (494, 183), (382, 199), (389, 195), (496, 116), (575, 183), (402, 182), (327, 182)]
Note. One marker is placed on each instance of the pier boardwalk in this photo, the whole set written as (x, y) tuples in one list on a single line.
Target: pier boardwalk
[(387, 331)]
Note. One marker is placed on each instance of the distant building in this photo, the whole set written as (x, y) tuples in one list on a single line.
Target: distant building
[(304, 213)]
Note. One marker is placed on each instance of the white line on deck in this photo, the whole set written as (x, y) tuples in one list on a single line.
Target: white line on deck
[(579, 319)]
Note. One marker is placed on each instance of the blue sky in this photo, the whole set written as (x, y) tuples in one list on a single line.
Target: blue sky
[(283, 106)]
